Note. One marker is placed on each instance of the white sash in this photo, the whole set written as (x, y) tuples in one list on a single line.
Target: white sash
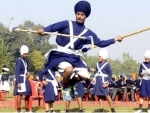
[(72, 40), (66, 48), (23, 85), (146, 71), (100, 73), (54, 82)]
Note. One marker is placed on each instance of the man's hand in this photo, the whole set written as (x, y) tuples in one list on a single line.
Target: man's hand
[(28, 74), (142, 74), (19, 86), (45, 82), (40, 31), (118, 38), (105, 85)]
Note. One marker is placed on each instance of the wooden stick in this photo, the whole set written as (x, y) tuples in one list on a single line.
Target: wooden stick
[(135, 32), (125, 36), (50, 33)]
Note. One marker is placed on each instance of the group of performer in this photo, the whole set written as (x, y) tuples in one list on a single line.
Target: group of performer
[(67, 61)]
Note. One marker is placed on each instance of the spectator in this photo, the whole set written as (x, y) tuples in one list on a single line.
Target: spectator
[(4, 85), (121, 86), (131, 88), (90, 87), (112, 85)]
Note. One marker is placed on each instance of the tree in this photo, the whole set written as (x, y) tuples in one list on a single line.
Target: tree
[(4, 55), (129, 65), (36, 61), (14, 40), (115, 65)]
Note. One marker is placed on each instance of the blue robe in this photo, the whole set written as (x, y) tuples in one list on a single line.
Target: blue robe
[(20, 69), (144, 85), (63, 27), (80, 89), (49, 93), (98, 89)]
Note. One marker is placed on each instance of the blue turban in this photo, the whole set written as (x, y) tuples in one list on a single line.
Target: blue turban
[(83, 6), (121, 75)]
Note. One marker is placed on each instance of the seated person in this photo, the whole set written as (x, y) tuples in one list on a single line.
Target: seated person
[(136, 82), (121, 86), (90, 87), (131, 88), (112, 84)]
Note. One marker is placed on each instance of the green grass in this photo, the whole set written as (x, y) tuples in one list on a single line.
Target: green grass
[(72, 108), (75, 109)]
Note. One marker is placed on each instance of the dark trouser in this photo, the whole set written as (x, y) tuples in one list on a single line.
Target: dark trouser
[(111, 90), (132, 93), (91, 95), (116, 90)]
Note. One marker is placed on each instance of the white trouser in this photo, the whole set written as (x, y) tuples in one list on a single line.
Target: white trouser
[(81, 71)]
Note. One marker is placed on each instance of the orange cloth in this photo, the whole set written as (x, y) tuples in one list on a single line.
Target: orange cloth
[(134, 75), (31, 77)]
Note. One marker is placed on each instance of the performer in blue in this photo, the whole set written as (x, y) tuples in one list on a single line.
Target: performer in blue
[(144, 72), (103, 78), (65, 58), (22, 84), (50, 89)]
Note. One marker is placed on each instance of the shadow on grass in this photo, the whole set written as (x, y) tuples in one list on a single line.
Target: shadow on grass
[(74, 110), (34, 109), (98, 110), (144, 109)]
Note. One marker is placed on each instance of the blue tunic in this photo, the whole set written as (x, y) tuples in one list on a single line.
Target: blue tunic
[(113, 84), (49, 93), (63, 27), (136, 83), (145, 82), (20, 69), (80, 89), (120, 83), (98, 89)]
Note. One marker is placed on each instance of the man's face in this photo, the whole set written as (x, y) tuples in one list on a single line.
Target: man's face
[(113, 79), (100, 59), (80, 17), (147, 60), (25, 55)]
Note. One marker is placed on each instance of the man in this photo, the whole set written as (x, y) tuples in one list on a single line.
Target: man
[(130, 87), (22, 83), (4, 84), (64, 58), (120, 86), (112, 85)]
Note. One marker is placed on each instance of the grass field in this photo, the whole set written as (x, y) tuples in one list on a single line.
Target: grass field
[(88, 107), (75, 109)]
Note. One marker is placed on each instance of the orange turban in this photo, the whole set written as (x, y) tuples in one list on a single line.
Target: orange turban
[(134, 75)]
